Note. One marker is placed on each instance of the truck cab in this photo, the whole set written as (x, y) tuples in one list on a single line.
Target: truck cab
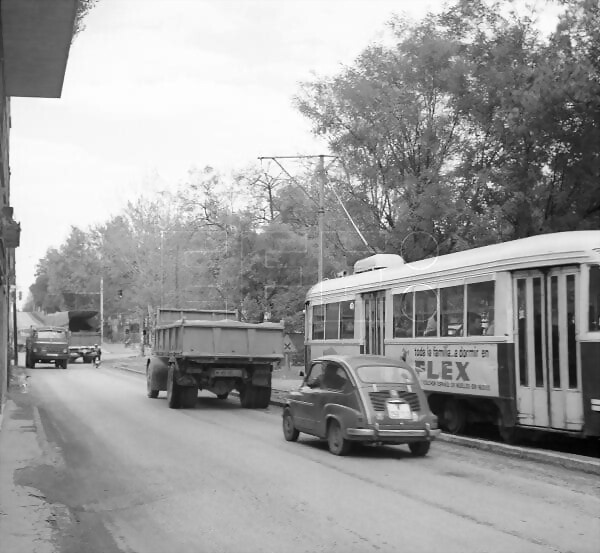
[(47, 344)]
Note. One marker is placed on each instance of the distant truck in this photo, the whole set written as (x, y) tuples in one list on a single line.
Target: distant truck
[(211, 350), (47, 344), (22, 335), (84, 332)]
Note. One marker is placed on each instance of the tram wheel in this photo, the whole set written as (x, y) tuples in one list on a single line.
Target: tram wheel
[(454, 416), (509, 434)]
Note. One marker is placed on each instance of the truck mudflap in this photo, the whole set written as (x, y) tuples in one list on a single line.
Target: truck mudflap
[(261, 377)]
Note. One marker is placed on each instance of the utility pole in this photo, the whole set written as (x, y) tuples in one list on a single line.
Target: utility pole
[(321, 202), (322, 177), (101, 311)]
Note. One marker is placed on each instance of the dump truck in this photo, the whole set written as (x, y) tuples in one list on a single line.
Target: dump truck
[(212, 350), (84, 332), (47, 344)]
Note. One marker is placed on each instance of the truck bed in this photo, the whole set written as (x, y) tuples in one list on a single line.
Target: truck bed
[(218, 341)]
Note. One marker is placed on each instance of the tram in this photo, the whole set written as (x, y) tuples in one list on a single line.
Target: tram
[(507, 333)]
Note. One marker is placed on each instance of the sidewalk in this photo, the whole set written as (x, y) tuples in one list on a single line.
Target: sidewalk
[(28, 521)]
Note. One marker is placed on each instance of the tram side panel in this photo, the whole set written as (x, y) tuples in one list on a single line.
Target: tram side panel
[(590, 380)]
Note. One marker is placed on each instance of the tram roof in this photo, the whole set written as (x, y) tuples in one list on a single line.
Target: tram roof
[(561, 248)]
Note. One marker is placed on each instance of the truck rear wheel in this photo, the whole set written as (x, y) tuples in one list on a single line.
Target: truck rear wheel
[(173, 395), (150, 391), (247, 396), (263, 397), (188, 395)]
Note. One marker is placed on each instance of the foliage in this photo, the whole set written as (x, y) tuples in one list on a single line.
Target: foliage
[(83, 8), (469, 128)]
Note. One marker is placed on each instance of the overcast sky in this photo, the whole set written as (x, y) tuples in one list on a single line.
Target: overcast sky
[(155, 87)]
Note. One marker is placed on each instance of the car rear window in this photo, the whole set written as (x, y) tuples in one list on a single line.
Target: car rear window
[(52, 335), (379, 373)]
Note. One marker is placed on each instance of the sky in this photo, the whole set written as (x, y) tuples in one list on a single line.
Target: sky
[(154, 88)]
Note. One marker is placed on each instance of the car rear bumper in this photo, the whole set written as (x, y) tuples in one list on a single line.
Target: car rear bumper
[(379, 435)]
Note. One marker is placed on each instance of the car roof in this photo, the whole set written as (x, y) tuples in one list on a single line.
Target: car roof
[(363, 360)]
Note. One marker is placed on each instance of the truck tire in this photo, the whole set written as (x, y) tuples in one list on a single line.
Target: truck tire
[(173, 389), (262, 398), (62, 364), (188, 395), (150, 392), (27, 361), (247, 396)]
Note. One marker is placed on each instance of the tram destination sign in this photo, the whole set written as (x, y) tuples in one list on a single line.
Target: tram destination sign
[(467, 368)]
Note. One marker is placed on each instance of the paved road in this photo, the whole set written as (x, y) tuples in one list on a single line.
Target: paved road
[(88, 463)]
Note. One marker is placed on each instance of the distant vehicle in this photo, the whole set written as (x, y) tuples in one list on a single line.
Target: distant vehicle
[(507, 334), (361, 398), (47, 345), (84, 329), (210, 350), (22, 335)]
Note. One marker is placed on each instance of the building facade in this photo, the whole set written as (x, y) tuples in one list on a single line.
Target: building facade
[(35, 39)]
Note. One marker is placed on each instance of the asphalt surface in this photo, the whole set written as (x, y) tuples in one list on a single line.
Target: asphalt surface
[(281, 386), (88, 464)]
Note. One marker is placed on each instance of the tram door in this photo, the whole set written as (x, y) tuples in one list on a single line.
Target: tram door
[(546, 356), (374, 323)]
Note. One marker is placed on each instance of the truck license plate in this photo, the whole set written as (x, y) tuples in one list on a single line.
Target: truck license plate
[(399, 411), (227, 372)]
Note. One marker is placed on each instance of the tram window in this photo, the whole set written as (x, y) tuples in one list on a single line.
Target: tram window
[(426, 313), (403, 315), (332, 318), (554, 334), (347, 319), (522, 330), (318, 322), (572, 351), (537, 332), (452, 304), (594, 297), (480, 308)]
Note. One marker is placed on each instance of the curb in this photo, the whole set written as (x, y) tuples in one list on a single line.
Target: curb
[(579, 463)]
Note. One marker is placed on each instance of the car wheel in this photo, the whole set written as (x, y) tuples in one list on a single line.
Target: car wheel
[(63, 364), (172, 390), (454, 417), (419, 449), (223, 396), (338, 445), (290, 432), (150, 392)]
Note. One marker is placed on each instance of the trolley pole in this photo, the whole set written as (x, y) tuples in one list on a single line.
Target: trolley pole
[(101, 311), (321, 203), (322, 177)]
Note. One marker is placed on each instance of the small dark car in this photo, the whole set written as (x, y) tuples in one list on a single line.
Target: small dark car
[(361, 398)]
